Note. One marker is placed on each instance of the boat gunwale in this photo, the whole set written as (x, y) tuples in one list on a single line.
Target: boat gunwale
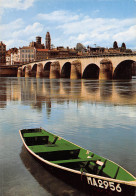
[(130, 183)]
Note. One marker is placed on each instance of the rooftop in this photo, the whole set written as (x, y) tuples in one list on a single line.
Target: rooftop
[(27, 47), (42, 50), (1, 43)]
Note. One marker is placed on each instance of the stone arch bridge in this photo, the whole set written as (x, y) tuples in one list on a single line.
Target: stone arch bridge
[(117, 66)]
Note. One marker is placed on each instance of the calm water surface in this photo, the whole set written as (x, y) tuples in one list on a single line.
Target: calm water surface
[(97, 115)]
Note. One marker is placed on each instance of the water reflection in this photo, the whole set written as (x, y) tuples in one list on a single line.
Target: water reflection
[(67, 108), (125, 89), (66, 86), (93, 88), (41, 92), (3, 94), (48, 181), (106, 90)]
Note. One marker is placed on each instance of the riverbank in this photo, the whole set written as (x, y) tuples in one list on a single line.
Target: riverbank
[(8, 71)]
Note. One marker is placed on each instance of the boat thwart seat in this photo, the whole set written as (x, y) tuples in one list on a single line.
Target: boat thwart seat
[(95, 161), (54, 152), (35, 138), (34, 134), (52, 148)]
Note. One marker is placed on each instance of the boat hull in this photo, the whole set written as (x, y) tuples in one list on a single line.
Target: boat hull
[(90, 185)]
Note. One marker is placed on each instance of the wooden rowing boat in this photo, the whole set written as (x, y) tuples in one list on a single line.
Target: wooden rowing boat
[(94, 173)]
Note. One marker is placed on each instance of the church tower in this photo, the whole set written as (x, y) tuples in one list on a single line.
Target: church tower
[(48, 41)]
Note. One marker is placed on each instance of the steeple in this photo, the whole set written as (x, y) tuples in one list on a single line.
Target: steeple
[(48, 41)]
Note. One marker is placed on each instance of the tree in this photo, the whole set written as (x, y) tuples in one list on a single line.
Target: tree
[(80, 47), (115, 45), (123, 46)]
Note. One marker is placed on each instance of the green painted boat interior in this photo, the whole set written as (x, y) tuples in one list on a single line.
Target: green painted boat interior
[(59, 151)]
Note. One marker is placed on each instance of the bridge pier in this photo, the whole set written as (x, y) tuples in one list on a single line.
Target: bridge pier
[(55, 70), (28, 71), (106, 70), (19, 72), (75, 70), (39, 72)]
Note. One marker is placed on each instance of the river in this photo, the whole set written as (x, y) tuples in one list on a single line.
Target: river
[(97, 115)]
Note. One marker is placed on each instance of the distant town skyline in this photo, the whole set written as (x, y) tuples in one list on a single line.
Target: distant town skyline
[(90, 22)]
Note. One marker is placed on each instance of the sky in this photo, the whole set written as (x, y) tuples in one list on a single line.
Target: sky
[(90, 22)]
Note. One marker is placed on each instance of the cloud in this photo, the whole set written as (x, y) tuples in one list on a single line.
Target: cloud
[(19, 34), (16, 4), (17, 24), (6, 31), (96, 25), (68, 28), (1, 13), (128, 35), (59, 16), (29, 30), (102, 31), (15, 43)]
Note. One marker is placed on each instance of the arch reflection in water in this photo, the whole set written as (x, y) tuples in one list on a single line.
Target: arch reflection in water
[(49, 182), (125, 88), (91, 86), (106, 89)]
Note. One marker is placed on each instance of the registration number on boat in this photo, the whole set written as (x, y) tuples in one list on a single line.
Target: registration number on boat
[(104, 184)]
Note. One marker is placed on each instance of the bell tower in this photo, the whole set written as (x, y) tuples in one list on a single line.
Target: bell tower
[(48, 41)]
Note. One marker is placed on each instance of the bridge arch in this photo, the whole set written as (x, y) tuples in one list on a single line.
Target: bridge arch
[(91, 72), (66, 70), (34, 67), (34, 70), (123, 70), (46, 69), (23, 71)]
